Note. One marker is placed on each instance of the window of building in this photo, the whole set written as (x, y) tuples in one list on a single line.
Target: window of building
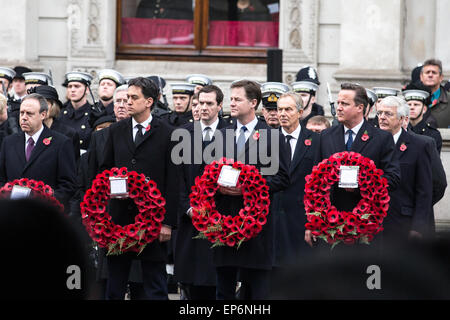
[(204, 29)]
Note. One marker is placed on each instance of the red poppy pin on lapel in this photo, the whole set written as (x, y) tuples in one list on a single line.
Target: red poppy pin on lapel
[(256, 135), (308, 142), (365, 136), (403, 147), (148, 128), (47, 141)]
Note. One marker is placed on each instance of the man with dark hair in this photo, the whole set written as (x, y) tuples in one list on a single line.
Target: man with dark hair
[(254, 259), (439, 107), (77, 111), (417, 97), (37, 152), (194, 268), (376, 145), (142, 143)]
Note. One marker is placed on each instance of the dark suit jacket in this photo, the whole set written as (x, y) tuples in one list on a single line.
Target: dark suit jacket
[(379, 147), (193, 257), (258, 252), (53, 164), (410, 205), (288, 207), (96, 154), (69, 132), (152, 157)]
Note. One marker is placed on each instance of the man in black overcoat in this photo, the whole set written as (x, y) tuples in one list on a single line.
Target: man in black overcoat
[(376, 145), (142, 143), (39, 153), (247, 141)]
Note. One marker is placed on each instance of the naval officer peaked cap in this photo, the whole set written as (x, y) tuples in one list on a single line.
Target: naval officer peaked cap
[(37, 78), (271, 92), (199, 79), (182, 88), (111, 75)]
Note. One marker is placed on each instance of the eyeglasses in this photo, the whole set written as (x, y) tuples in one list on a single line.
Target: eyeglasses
[(388, 114)]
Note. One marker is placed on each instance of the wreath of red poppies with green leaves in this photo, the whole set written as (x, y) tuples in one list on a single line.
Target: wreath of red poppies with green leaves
[(39, 190), (130, 238), (365, 220), (222, 229)]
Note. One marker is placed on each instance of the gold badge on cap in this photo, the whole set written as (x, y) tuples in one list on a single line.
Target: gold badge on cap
[(272, 98)]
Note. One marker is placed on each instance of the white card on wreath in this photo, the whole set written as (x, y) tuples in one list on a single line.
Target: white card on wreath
[(19, 192), (348, 177), (119, 187), (228, 177)]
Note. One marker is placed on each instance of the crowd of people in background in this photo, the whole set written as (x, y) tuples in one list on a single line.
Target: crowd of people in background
[(89, 133)]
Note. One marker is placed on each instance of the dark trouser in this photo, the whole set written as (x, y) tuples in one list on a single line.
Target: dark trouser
[(257, 283), (153, 274), (193, 292)]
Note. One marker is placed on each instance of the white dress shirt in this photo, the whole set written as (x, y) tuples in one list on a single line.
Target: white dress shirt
[(34, 136), (250, 127), (143, 124), (355, 131), (293, 142), (213, 127)]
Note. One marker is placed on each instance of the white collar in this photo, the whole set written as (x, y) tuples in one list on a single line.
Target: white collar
[(213, 126), (295, 134), (34, 136), (397, 135), (250, 126), (356, 128), (143, 124)]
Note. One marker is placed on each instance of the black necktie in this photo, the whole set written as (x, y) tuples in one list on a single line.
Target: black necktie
[(288, 147), (139, 136)]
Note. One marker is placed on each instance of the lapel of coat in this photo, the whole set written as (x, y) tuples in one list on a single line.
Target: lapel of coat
[(359, 144), (251, 141), (338, 139), (39, 147), (19, 146), (300, 148), (154, 124), (404, 139), (128, 134)]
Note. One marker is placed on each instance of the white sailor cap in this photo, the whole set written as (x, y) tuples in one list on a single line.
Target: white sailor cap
[(78, 76), (37, 78), (372, 96), (7, 73), (276, 88), (182, 88), (111, 75), (199, 79), (382, 92), (304, 86), (419, 95)]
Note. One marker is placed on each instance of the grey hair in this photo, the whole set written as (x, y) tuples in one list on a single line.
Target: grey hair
[(123, 87), (296, 97), (42, 101), (399, 102)]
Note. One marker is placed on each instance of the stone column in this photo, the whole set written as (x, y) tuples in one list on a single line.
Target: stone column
[(298, 35), (371, 42)]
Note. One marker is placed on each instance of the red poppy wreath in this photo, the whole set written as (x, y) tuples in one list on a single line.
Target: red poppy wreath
[(39, 190), (130, 238), (222, 229), (365, 220)]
